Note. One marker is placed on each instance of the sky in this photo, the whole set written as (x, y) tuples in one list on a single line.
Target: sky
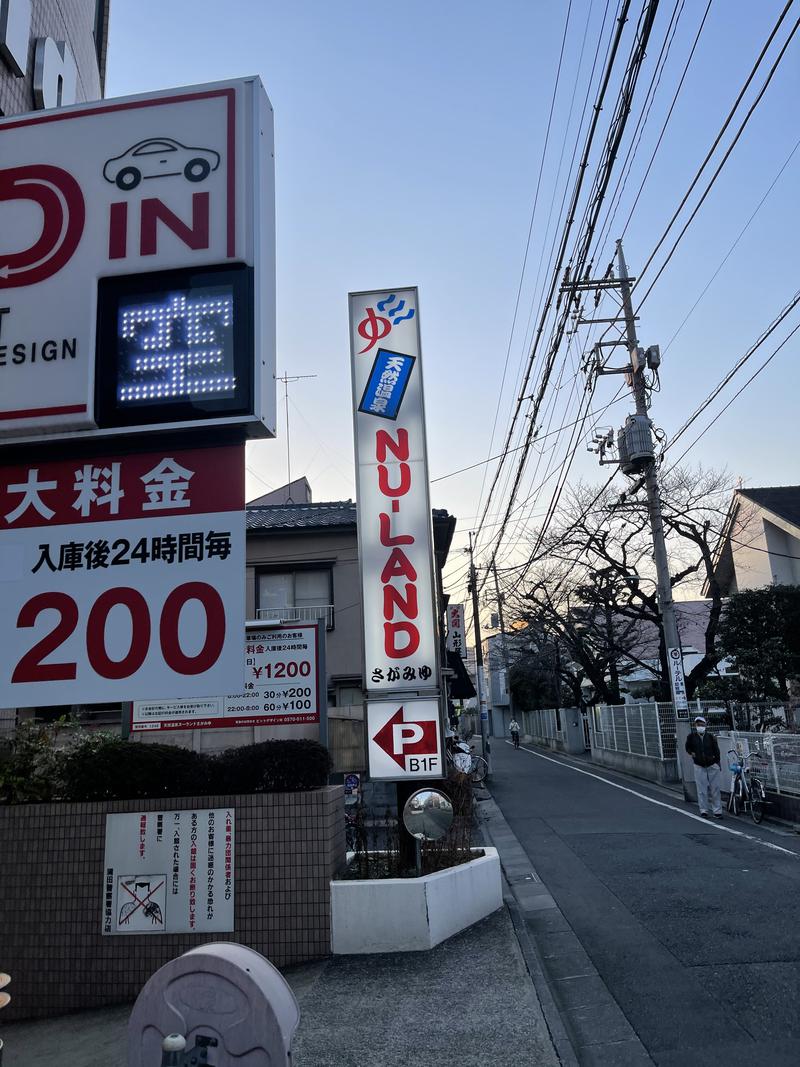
[(409, 142)]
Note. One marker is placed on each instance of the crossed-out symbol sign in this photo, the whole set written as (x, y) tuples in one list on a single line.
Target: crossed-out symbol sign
[(128, 910)]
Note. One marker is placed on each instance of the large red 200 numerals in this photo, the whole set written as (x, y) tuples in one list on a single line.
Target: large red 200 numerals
[(31, 669)]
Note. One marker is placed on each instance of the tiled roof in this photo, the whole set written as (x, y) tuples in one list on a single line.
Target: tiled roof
[(326, 514), (781, 500)]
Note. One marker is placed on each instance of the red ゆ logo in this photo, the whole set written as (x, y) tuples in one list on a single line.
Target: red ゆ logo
[(59, 196)]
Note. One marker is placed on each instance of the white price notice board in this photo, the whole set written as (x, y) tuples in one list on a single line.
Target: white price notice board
[(169, 872), (283, 674), (122, 577)]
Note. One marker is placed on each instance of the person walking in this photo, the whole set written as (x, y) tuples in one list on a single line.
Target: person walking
[(514, 728), (703, 748)]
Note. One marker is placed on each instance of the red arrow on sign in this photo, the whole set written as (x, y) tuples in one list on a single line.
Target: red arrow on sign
[(399, 739)]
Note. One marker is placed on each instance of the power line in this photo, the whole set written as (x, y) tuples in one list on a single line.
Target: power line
[(610, 62), (711, 151), (518, 379), (737, 394), (530, 232), (500, 455), (602, 179), (732, 247), (667, 119), (641, 124), (735, 369)]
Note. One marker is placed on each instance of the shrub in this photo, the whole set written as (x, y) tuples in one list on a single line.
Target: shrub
[(271, 767), (102, 766), (105, 767), (30, 764)]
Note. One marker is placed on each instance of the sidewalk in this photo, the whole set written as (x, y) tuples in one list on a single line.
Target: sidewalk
[(468, 1002)]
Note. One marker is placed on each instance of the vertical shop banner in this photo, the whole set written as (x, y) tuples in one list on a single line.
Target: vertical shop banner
[(456, 637), (169, 872), (122, 577), (394, 515)]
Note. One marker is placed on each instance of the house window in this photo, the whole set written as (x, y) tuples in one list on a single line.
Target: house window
[(309, 590)]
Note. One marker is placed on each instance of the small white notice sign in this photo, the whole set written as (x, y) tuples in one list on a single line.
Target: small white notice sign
[(677, 681), (169, 872)]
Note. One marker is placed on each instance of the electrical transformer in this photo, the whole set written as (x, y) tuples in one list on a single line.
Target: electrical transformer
[(635, 444)]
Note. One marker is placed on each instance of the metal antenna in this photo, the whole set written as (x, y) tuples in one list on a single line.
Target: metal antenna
[(286, 379)]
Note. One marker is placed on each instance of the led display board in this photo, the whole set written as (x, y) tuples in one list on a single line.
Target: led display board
[(134, 234), (174, 346)]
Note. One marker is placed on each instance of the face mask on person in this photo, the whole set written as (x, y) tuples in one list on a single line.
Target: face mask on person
[(701, 730)]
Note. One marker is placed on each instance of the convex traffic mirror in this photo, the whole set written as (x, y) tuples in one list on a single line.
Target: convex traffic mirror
[(428, 814)]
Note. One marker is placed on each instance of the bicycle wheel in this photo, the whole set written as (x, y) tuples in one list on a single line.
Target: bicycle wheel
[(479, 769), (758, 798), (735, 801)]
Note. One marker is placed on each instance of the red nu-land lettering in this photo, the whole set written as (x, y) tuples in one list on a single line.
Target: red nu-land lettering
[(401, 636)]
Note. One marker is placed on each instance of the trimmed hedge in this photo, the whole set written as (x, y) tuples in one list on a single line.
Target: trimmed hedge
[(271, 767), (118, 770), (105, 767)]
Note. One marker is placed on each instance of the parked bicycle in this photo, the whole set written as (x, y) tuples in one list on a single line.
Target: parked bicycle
[(747, 790), (465, 761)]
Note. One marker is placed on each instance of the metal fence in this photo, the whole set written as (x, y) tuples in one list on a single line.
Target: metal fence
[(544, 722), (775, 757), (634, 728), (746, 716)]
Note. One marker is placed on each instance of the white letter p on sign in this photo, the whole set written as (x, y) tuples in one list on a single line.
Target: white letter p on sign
[(406, 733)]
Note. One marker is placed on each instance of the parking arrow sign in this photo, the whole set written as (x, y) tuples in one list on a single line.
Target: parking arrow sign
[(404, 740)]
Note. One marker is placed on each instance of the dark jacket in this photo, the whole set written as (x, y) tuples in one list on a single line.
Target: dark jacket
[(704, 749)]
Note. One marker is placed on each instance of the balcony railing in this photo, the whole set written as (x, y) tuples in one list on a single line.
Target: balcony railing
[(312, 613)]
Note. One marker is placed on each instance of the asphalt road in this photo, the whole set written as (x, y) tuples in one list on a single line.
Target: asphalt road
[(694, 930)]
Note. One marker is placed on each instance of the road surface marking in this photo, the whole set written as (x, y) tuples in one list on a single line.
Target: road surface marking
[(661, 803)]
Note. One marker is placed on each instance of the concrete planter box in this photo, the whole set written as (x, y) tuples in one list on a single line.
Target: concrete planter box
[(413, 914)]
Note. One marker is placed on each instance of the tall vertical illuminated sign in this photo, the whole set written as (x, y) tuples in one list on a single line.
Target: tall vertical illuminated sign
[(401, 655), (394, 516)]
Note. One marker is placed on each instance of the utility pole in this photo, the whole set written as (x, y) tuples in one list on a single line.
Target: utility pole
[(476, 616), (286, 379), (665, 602), (503, 640), (637, 455)]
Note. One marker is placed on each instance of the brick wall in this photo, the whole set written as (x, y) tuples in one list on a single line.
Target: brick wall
[(51, 884)]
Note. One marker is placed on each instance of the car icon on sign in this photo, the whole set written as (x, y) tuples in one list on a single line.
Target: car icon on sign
[(160, 157)]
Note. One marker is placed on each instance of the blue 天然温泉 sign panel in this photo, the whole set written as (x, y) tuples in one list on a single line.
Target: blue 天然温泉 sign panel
[(387, 384)]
